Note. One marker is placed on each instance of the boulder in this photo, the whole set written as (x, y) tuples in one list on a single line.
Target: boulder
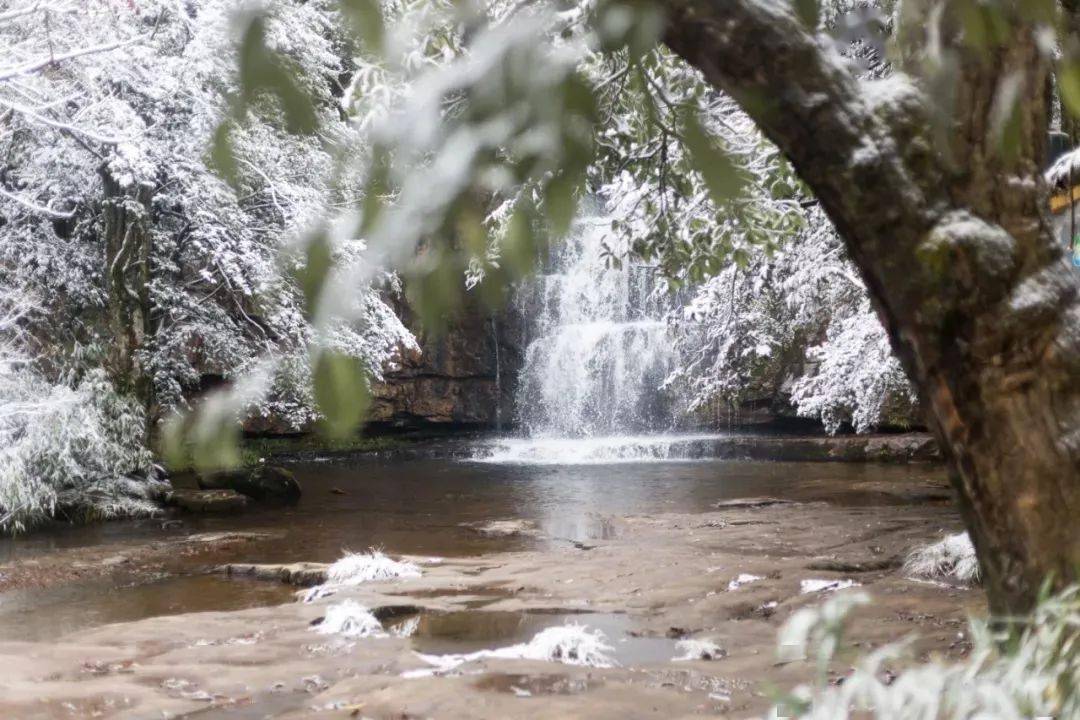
[(264, 483), (207, 501)]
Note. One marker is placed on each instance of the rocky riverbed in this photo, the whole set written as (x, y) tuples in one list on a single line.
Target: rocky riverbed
[(728, 576)]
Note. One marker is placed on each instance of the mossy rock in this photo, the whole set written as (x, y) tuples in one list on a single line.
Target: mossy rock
[(207, 501), (266, 483)]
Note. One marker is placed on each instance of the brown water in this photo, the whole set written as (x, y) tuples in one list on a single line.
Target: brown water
[(416, 507)]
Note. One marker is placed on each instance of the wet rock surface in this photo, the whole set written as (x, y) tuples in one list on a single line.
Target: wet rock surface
[(650, 574)]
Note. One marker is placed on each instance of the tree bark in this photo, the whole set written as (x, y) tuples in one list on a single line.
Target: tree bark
[(956, 250), (126, 232)]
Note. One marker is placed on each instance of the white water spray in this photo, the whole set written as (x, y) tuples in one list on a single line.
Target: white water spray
[(600, 349), (592, 386)]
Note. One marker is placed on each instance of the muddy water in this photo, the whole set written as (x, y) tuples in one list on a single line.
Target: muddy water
[(428, 507)]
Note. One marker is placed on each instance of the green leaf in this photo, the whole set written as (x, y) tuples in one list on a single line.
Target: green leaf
[(222, 155), (264, 71), (341, 393), (317, 263), (560, 204), (722, 177), (375, 188), (808, 12), (519, 246), (470, 229), (366, 22), (173, 449), (434, 286), (1068, 77)]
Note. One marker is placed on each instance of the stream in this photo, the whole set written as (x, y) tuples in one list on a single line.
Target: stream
[(428, 507)]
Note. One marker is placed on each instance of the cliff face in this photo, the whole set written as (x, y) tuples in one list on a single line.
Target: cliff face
[(464, 377)]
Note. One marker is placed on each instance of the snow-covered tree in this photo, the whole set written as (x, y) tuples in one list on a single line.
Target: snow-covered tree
[(151, 264)]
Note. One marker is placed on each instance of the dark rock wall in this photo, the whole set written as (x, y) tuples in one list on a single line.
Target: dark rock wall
[(464, 377)]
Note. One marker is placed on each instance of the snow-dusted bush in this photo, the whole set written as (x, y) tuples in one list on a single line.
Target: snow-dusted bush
[(358, 568), (67, 449), (72, 452), (1034, 673), (350, 619), (951, 559)]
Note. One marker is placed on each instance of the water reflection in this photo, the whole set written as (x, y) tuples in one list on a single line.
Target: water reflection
[(427, 507)]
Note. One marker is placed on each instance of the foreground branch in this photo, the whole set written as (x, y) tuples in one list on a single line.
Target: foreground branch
[(958, 257)]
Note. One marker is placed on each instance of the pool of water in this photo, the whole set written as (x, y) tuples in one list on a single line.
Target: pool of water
[(420, 506)]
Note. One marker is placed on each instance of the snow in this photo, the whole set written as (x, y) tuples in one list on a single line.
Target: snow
[(372, 566), (694, 649), (350, 619), (804, 301), (741, 580), (567, 644), (814, 586), (951, 559), (219, 289)]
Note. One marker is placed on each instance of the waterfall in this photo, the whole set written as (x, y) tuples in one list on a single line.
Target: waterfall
[(599, 348), (598, 351)]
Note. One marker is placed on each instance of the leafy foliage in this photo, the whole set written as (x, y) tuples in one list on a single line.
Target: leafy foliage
[(1029, 669)]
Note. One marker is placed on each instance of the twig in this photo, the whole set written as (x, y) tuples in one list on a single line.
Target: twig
[(34, 65), (40, 209)]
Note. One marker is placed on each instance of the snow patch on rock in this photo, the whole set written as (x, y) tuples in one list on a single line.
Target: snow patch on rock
[(567, 644), (813, 585), (699, 650), (950, 559), (350, 619), (372, 566)]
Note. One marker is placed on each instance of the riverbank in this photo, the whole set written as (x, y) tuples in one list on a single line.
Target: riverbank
[(647, 580)]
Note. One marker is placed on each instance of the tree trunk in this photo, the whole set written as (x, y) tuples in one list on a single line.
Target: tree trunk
[(126, 231), (956, 250)]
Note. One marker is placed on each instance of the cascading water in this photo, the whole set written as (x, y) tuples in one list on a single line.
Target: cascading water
[(591, 389), (599, 348)]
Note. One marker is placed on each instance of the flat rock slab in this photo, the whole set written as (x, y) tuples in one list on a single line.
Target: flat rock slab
[(301, 574), (753, 502)]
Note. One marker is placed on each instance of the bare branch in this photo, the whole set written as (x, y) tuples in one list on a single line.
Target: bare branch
[(66, 127), (38, 209), (38, 64), (11, 15)]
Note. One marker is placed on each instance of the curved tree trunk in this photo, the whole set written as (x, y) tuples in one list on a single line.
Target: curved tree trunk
[(956, 249)]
